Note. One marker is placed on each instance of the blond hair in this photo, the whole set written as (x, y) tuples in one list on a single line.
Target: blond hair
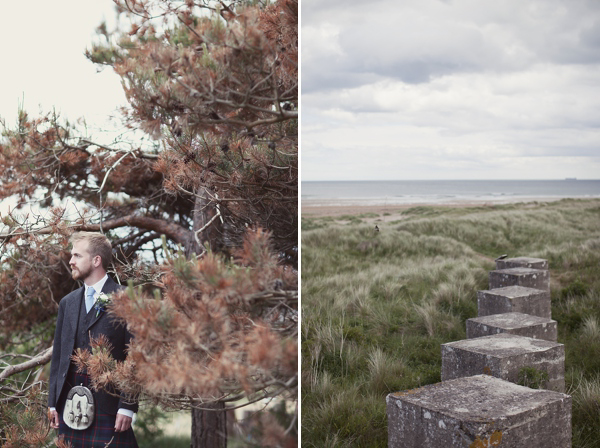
[(98, 245)]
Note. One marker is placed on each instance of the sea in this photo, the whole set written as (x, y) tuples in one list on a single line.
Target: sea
[(403, 192)]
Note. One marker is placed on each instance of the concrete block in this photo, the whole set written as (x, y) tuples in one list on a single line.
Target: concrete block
[(503, 356), (514, 299), (514, 323), (476, 412), (530, 278), (522, 262)]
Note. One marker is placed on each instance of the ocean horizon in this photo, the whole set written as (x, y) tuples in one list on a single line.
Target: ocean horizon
[(402, 192)]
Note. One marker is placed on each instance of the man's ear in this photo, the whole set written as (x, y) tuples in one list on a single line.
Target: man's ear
[(97, 261)]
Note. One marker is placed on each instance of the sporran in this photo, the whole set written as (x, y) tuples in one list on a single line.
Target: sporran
[(79, 408)]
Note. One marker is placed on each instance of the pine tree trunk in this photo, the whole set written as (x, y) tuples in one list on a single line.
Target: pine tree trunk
[(209, 428), (204, 213)]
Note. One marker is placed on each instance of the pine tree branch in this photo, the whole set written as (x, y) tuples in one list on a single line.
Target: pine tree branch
[(273, 297), (174, 231), (137, 153), (38, 360)]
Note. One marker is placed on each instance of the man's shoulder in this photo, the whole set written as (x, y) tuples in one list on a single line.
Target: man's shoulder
[(112, 286), (72, 298), (73, 295)]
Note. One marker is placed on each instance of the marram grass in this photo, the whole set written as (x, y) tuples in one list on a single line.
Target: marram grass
[(377, 306)]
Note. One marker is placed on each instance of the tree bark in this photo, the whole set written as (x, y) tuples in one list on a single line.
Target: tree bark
[(172, 230), (38, 360), (208, 227), (209, 428)]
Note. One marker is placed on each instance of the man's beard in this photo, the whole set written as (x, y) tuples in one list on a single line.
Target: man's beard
[(78, 274)]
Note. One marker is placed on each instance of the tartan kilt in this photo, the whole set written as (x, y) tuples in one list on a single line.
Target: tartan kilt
[(102, 430)]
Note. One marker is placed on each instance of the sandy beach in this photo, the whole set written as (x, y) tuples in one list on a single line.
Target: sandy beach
[(332, 208)]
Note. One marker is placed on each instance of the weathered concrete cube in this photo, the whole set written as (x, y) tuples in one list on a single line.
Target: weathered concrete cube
[(514, 299), (530, 278), (504, 356), (514, 323), (478, 411), (522, 262)]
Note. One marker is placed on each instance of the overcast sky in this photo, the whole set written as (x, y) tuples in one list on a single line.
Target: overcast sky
[(43, 62), (456, 89), (43, 65)]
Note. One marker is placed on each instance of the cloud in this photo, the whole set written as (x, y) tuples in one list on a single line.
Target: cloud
[(542, 97), (417, 41), (478, 86)]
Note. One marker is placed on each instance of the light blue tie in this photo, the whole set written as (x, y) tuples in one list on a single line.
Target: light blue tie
[(89, 299)]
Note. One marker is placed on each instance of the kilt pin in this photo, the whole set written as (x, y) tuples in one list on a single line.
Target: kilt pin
[(74, 328)]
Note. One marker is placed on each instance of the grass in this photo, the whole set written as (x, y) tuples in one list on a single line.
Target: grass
[(377, 306), (169, 442)]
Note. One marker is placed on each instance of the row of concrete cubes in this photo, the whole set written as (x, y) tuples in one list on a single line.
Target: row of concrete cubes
[(513, 331)]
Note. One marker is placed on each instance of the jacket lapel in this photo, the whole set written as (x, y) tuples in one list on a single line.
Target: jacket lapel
[(73, 311)]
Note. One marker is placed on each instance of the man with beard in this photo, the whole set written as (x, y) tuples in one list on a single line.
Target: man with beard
[(80, 319)]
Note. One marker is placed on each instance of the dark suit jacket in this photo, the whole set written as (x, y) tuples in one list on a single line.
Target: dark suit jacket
[(64, 342)]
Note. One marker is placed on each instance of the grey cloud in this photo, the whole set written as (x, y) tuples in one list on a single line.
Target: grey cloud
[(332, 10), (486, 86), (412, 48), (591, 35), (417, 41), (317, 78)]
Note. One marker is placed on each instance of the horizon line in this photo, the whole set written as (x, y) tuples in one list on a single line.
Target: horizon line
[(440, 180)]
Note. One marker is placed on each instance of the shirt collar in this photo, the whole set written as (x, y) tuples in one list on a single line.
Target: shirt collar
[(98, 286)]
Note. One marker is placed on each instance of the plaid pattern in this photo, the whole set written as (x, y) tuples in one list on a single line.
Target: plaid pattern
[(102, 430)]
